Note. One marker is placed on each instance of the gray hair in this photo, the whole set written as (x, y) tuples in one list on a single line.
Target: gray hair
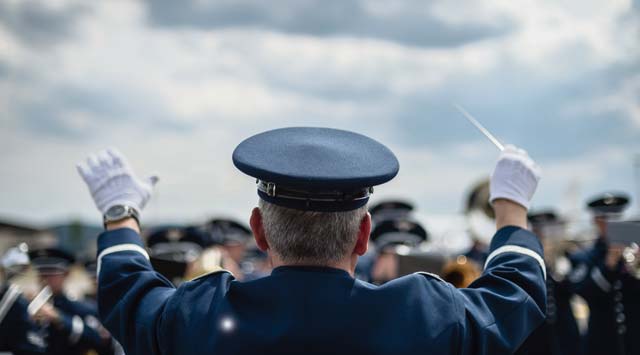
[(317, 238)]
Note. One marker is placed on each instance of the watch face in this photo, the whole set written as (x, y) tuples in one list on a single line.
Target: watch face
[(116, 211)]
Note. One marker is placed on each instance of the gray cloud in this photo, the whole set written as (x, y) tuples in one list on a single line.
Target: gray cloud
[(4, 69), (81, 113), (534, 116), (410, 22), (194, 104), (36, 24)]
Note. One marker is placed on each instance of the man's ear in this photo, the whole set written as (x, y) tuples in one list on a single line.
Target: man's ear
[(363, 235), (258, 230)]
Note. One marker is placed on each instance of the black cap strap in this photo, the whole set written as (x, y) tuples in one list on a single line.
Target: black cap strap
[(319, 201)]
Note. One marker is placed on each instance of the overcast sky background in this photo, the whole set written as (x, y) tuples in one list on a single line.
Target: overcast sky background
[(176, 85)]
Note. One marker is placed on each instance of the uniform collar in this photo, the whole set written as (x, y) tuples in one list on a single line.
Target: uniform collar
[(315, 269)]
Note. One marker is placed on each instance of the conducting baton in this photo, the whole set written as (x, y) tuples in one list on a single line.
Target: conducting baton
[(479, 126)]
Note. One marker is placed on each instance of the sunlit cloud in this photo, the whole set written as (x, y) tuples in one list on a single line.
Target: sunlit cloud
[(177, 87)]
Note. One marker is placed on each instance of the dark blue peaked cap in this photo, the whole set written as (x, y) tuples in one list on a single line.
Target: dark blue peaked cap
[(398, 231), (542, 217), (609, 203), (315, 169), (51, 260), (390, 209)]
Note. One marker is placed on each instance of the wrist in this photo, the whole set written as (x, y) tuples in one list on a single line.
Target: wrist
[(509, 213), (508, 195), (120, 211), (128, 222)]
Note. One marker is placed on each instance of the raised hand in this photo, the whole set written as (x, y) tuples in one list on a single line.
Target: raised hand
[(112, 182), (515, 177)]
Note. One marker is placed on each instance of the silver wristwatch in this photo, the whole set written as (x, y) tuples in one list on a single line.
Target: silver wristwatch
[(120, 212)]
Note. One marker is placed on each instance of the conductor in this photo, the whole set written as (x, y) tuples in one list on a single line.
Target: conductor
[(312, 220)]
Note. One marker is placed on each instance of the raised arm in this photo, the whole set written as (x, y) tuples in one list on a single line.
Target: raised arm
[(502, 307), (131, 295)]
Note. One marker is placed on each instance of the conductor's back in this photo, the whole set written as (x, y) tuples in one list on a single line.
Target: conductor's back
[(312, 220)]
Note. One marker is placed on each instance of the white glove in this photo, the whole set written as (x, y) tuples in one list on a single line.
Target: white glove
[(515, 177), (112, 182)]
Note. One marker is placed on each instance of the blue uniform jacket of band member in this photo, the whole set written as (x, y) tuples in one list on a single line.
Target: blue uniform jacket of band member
[(318, 310), (18, 333), (611, 293), (612, 296), (80, 330)]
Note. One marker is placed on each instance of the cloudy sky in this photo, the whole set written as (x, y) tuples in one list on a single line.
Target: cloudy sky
[(177, 85)]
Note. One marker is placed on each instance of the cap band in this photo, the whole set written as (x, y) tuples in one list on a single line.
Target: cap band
[(50, 265), (320, 201), (397, 238)]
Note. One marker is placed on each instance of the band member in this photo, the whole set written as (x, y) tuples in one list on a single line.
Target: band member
[(171, 255), (387, 236), (609, 287), (232, 236), (18, 333), (72, 327), (382, 211), (559, 334), (480, 218)]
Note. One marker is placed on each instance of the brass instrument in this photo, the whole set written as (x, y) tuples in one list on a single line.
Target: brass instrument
[(210, 260), (626, 233), (479, 213), (461, 271), (478, 199), (631, 258), (456, 269)]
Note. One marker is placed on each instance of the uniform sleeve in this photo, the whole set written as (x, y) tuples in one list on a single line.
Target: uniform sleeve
[(590, 256), (507, 303), (20, 334), (131, 295), (84, 330), (590, 278)]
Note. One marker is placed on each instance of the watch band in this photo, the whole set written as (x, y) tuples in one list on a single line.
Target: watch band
[(119, 212)]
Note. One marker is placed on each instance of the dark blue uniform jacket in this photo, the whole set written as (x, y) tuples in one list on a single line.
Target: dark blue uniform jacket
[(318, 310), (79, 329), (613, 297), (559, 334), (18, 334)]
